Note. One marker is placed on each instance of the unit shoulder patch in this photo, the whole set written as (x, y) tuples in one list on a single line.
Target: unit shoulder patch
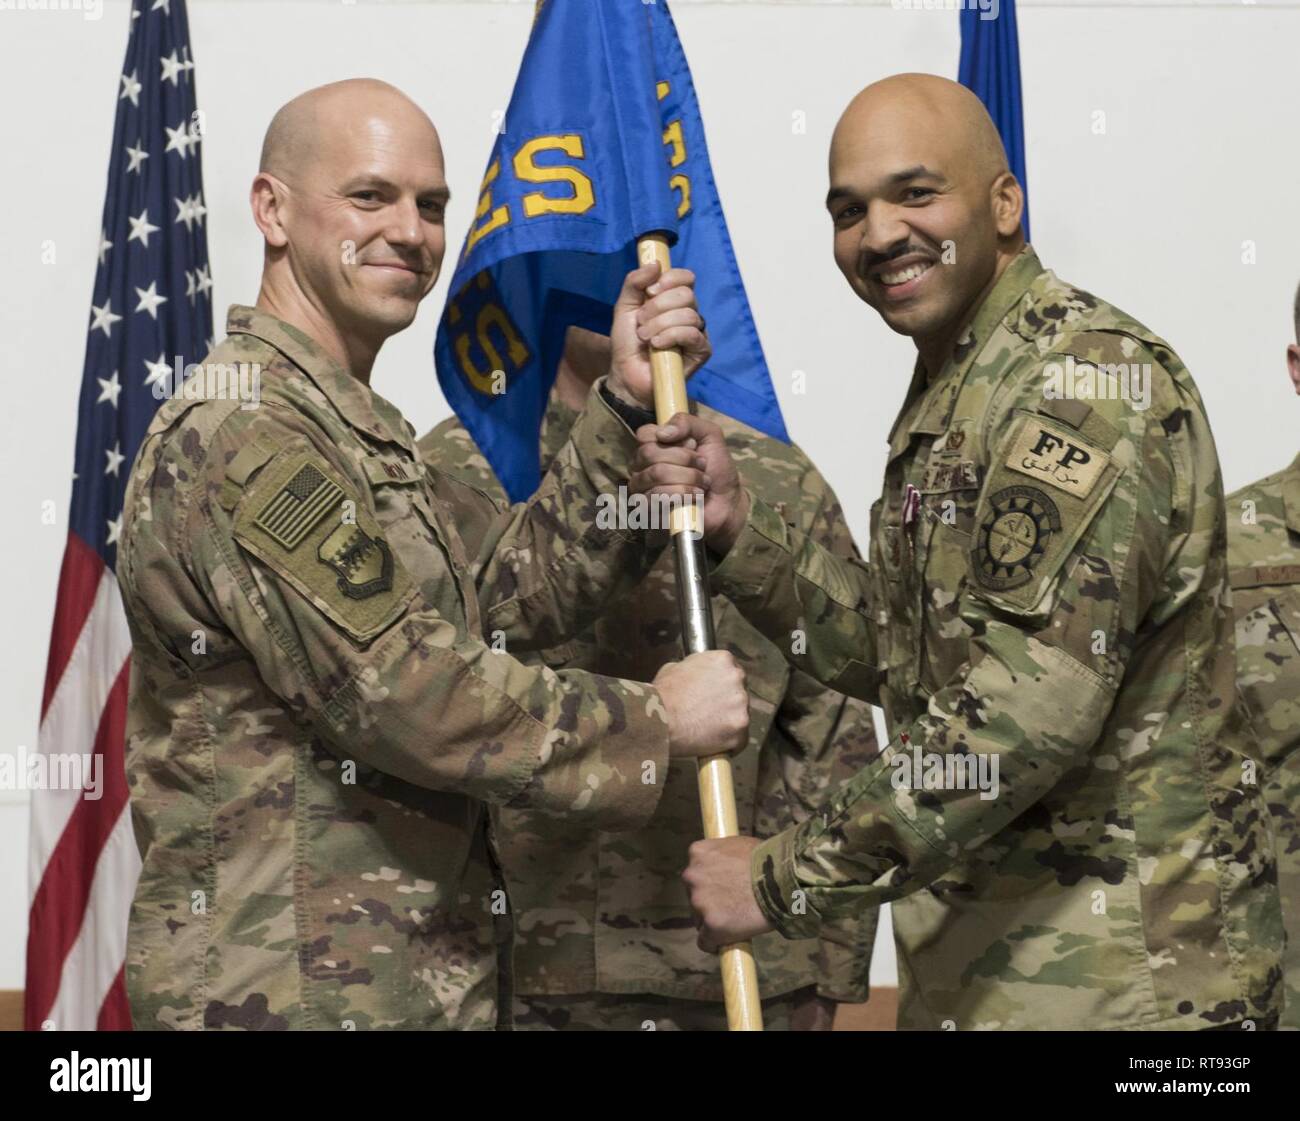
[(1045, 487), (304, 520), (1014, 535)]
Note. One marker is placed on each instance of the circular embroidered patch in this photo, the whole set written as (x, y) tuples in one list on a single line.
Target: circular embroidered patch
[(1014, 536)]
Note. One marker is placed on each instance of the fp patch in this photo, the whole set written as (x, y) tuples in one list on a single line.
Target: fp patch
[(1014, 536), (1057, 457)]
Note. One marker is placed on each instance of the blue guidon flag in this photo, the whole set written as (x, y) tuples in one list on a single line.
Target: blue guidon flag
[(602, 142), (990, 68)]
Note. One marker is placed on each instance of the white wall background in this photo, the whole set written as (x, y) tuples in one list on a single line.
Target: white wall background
[(1199, 157)]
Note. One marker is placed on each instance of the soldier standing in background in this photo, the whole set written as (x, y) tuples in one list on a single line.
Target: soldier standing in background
[(315, 723), (604, 935), (1264, 567), (1066, 811)]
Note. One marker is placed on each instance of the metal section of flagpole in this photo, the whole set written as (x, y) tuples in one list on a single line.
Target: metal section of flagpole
[(717, 789)]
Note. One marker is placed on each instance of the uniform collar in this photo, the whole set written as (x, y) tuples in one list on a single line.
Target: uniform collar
[(1291, 494), (356, 403), (931, 416)]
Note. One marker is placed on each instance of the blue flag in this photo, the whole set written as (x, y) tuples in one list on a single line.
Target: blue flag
[(602, 143), (990, 68)]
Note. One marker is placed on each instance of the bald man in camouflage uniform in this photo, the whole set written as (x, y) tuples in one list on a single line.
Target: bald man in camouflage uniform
[(1047, 595), (1264, 563), (315, 722), (604, 936)]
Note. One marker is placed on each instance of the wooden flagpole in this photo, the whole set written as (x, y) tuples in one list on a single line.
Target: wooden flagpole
[(717, 791)]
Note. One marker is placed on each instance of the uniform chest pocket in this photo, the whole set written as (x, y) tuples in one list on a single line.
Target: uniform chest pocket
[(419, 536), (1268, 671)]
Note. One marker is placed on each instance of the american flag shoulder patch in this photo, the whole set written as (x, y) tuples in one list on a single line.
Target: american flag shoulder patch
[(298, 506)]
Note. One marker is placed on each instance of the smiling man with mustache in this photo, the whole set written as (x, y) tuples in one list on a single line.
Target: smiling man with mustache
[(1047, 584), (316, 722)]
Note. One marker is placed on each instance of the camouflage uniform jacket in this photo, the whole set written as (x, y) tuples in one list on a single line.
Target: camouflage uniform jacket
[(1264, 563), (596, 912), (315, 723), (1047, 589)]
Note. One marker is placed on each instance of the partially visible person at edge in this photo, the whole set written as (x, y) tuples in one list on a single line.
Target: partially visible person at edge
[(1264, 567)]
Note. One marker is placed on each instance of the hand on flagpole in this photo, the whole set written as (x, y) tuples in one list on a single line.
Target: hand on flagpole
[(722, 892), (679, 457), (658, 311)]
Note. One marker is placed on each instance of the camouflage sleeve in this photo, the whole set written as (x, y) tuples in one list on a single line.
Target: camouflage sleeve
[(386, 671), (545, 568), (833, 737), (815, 606), (1038, 685)]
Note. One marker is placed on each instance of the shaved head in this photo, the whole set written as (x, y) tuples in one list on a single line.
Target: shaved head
[(350, 196), (930, 105), (926, 210), (302, 128)]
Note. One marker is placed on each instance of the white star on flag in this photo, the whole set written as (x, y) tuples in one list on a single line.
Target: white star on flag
[(109, 388), (203, 280), (137, 155), (140, 228), (181, 139), (157, 370), (189, 285), (190, 210), (104, 318), (149, 299), (131, 88), (165, 5), (115, 458), (104, 245), (114, 529), (171, 68)]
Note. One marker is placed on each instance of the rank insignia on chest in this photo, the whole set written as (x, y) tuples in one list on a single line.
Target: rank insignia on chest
[(363, 563), (1014, 536)]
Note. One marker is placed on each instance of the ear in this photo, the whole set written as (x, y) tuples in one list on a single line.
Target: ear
[(1008, 202), (1293, 365), (267, 198)]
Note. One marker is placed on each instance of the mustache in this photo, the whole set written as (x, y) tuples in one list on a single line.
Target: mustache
[(869, 261)]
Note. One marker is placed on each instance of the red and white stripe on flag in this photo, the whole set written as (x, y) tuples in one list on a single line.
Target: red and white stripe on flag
[(82, 857)]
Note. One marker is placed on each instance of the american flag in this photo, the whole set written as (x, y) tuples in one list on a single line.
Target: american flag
[(152, 303)]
